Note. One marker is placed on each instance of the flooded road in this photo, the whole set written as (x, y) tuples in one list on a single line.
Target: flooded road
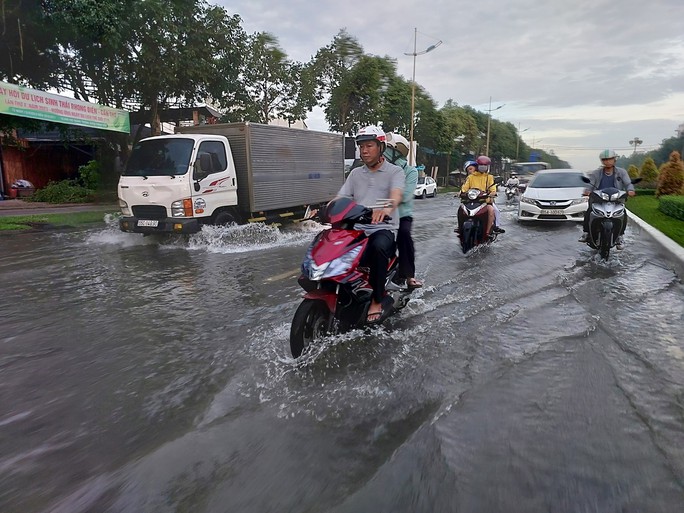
[(139, 375)]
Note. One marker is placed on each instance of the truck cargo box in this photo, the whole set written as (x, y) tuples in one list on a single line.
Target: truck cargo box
[(280, 167)]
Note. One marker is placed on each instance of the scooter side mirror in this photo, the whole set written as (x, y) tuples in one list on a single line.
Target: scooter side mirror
[(585, 179), (637, 180)]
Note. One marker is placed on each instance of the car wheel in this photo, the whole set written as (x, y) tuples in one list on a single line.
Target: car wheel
[(424, 195), (434, 193)]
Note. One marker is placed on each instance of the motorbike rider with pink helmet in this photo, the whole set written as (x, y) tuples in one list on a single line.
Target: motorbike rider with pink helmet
[(481, 179), (377, 181)]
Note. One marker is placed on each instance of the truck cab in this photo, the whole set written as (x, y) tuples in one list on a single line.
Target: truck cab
[(176, 183)]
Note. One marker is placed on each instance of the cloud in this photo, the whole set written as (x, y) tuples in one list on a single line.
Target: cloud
[(587, 71)]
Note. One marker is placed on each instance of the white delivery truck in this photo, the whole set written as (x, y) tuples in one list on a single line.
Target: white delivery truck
[(224, 173)]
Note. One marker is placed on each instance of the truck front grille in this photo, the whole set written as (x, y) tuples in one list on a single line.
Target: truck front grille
[(149, 211)]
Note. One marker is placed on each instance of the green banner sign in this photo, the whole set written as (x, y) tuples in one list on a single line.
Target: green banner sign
[(31, 103)]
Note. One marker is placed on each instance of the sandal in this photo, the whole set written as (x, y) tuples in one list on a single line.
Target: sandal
[(374, 317), (412, 283)]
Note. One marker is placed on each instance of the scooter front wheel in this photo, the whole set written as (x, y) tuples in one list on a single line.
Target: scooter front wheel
[(311, 322)]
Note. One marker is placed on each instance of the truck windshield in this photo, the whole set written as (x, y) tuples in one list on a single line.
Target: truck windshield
[(160, 157)]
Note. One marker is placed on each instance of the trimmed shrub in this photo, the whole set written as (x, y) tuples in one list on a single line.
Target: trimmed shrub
[(633, 171), (649, 173), (672, 206), (671, 176)]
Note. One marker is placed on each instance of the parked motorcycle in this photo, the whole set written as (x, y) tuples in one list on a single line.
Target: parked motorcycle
[(607, 217), (472, 218), (338, 292)]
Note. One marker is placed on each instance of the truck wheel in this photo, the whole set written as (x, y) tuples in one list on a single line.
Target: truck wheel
[(224, 219), (310, 323)]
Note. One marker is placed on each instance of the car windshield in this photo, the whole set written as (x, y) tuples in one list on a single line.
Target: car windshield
[(421, 180), (160, 157), (557, 180)]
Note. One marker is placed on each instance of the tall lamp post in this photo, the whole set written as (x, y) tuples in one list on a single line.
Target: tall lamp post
[(517, 145), (489, 120), (411, 156), (635, 142)]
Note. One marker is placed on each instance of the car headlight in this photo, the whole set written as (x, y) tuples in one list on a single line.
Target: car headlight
[(335, 267), (124, 207), (579, 201), (525, 199)]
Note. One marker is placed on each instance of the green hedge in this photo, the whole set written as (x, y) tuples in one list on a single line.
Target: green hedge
[(672, 206), (645, 192)]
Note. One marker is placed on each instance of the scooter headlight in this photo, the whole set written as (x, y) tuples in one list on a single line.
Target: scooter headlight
[(604, 196), (615, 196), (473, 194), (330, 269)]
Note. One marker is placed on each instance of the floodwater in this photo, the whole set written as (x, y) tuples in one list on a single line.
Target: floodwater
[(143, 375)]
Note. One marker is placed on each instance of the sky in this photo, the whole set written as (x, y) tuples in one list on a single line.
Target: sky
[(575, 77)]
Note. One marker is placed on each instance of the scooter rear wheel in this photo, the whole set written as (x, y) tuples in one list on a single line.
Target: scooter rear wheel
[(310, 323)]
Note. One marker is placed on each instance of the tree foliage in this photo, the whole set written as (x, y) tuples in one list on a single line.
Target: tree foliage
[(649, 172), (273, 86), (633, 171), (671, 176)]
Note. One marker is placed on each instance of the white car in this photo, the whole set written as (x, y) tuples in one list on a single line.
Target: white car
[(426, 187), (554, 195)]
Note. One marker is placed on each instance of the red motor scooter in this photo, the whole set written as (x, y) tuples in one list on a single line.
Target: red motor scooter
[(338, 292)]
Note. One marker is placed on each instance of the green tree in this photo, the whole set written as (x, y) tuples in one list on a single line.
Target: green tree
[(334, 62), (671, 176), (358, 99), (649, 173), (274, 86), (29, 51)]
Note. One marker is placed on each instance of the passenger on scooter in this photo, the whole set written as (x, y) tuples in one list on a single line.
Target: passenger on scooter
[(396, 153), (479, 178), (376, 181), (608, 175)]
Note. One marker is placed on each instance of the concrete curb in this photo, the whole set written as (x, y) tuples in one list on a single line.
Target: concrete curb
[(674, 251)]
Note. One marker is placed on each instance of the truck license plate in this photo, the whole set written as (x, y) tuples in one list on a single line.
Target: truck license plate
[(148, 222), (553, 212)]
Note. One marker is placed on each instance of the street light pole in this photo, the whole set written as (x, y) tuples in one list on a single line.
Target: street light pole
[(635, 142), (411, 156), (517, 146), (489, 120)]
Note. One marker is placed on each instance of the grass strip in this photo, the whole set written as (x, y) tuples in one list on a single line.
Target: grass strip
[(646, 207), (73, 219)]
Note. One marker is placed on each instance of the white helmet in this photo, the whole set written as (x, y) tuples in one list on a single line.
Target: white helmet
[(398, 142), (371, 133), (607, 154)]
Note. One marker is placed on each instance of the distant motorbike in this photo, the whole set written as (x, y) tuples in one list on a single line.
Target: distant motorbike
[(472, 218), (511, 192), (338, 292), (607, 217)]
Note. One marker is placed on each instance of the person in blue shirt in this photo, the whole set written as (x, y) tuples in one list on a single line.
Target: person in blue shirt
[(396, 152)]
